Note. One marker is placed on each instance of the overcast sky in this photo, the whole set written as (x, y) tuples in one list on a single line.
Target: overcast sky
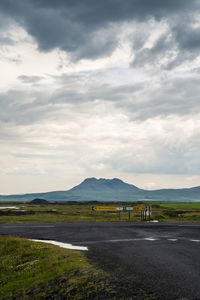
[(104, 89)]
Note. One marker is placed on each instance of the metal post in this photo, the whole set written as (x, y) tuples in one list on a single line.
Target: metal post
[(129, 215), (119, 215), (95, 215), (149, 213)]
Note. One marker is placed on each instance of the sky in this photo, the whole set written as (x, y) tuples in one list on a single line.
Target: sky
[(99, 89)]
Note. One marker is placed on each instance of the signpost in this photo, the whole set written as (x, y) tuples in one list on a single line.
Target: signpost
[(105, 208), (129, 209), (139, 208), (148, 212), (144, 210)]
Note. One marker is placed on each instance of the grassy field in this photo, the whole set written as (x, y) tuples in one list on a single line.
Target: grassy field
[(32, 270), (66, 212)]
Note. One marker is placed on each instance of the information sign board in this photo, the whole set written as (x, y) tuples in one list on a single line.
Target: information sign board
[(113, 208), (144, 210), (128, 208), (119, 208), (104, 208), (139, 208)]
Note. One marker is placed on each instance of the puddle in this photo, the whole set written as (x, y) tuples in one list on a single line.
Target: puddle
[(62, 245), (9, 207)]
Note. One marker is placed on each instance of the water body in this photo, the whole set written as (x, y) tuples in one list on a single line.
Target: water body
[(9, 207)]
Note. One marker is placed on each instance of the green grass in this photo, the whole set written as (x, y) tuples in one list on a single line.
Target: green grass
[(65, 212), (176, 212), (30, 268), (33, 270), (181, 205)]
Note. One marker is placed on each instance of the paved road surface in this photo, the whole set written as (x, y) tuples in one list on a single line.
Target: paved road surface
[(164, 257)]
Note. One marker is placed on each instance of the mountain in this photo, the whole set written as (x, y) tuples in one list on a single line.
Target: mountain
[(105, 185), (92, 189)]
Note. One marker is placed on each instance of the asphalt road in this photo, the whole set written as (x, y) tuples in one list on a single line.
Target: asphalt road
[(163, 257)]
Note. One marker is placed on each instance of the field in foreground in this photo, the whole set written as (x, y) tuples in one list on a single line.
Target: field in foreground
[(32, 270), (81, 212)]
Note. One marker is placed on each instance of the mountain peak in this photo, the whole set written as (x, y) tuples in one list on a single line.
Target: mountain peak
[(117, 180), (93, 179), (89, 180), (103, 185)]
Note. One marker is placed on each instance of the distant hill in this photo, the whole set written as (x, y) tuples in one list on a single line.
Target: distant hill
[(92, 189), (39, 201)]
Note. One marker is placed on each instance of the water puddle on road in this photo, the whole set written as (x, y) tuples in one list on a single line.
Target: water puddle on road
[(62, 245)]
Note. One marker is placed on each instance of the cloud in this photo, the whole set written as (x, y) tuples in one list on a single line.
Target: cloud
[(177, 44), (96, 128), (90, 29), (175, 96), (160, 54), (30, 79), (140, 101), (187, 36), (6, 41)]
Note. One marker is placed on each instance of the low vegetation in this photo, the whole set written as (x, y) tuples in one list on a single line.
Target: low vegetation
[(32, 270), (81, 212)]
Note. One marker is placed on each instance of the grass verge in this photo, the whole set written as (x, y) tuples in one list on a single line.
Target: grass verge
[(32, 270)]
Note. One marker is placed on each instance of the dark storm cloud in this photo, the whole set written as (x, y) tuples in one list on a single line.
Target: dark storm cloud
[(187, 36), (5, 23), (78, 27), (179, 43)]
